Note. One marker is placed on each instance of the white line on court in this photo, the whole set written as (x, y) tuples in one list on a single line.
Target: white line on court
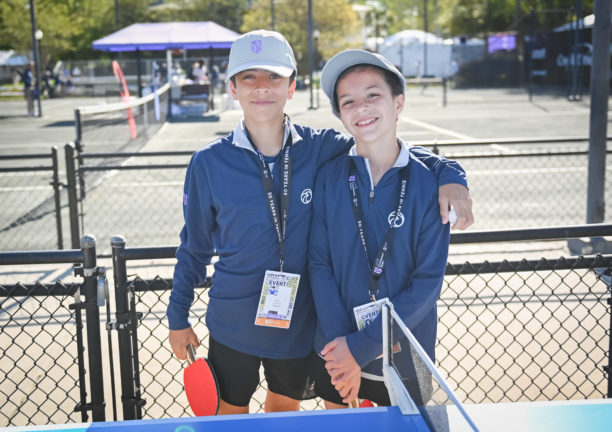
[(44, 145), (28, 174), (436, 128), (501, 148), (146, 184), (473, 173), (24, 188)]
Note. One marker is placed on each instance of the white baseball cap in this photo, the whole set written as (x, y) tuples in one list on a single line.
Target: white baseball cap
[(261, 49), (344, 60)]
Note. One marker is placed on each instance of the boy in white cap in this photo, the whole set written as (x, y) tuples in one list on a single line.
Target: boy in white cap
[(247, 197)]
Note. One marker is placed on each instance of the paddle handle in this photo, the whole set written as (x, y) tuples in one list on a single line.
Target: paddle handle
[(191, 353)]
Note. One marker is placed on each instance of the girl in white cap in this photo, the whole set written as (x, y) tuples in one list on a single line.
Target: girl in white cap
[(375, 234)]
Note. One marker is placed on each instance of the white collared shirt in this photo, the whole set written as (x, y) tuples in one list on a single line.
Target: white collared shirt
[(402, 158)]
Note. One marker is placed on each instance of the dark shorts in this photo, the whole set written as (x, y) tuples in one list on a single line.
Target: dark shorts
[(238, 374), (376, 391)]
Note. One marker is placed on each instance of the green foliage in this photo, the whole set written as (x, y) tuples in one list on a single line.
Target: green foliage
[(62, 28), (471, 17), (227, 13), (337, 23), (70, 26)]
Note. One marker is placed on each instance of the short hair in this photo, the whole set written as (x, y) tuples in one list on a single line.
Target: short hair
[(291, 78), (394, 83)]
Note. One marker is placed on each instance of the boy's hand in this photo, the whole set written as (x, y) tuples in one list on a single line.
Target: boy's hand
[(179, 340), (458, 196), (343, 368)]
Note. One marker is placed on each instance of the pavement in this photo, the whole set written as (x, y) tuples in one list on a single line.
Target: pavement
[(486, 113), (468, 114)]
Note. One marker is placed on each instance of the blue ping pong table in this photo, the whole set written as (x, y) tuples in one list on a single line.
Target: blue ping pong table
[(587, 416)]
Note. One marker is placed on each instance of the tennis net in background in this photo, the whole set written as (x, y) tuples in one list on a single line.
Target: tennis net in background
[(414, 384), (123, 126)]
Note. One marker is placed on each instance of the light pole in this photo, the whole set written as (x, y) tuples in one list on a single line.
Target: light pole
[(425, 30), (116, 14), (310, 52), (36, 36), (271, 14)]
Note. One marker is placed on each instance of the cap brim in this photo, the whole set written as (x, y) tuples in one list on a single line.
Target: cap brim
[(342, 61), (282, 70)]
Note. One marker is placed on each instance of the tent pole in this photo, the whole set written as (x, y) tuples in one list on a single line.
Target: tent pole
[(211, 85), (169, 81), (138, 74)]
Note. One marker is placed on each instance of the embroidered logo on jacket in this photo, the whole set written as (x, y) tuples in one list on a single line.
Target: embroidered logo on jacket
[(306, 196), (399, 222)]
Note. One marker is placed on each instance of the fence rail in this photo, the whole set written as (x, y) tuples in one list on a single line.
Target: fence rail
[(36, 213), (513, 187)]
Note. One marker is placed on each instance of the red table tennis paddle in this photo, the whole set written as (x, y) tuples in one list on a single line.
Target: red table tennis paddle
[(200, 385)]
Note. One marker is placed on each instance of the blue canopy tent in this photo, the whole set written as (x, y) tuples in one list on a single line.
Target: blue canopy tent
[(167, 36)]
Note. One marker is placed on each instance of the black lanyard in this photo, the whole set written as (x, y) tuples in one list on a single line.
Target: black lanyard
[(279, 219), (379, 263)]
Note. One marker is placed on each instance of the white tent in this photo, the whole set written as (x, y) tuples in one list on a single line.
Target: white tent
[(408, 49)]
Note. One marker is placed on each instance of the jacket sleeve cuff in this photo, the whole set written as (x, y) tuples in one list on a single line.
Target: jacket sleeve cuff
[(363, 349), (178, 318), (452, 177)]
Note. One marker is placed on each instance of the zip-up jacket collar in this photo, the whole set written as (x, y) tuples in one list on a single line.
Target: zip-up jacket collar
[(402, 159), (240, 137)]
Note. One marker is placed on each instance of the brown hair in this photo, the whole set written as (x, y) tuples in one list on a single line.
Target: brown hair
[(394, 83)]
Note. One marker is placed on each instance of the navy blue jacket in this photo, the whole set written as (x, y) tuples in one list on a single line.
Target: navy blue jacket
[(414, 265), (225, 211)]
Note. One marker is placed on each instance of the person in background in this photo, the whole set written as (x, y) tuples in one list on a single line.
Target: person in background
[(28, 87)]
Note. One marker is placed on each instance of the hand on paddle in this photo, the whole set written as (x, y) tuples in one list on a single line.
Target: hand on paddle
[(179, 339), (459, 198), (343, 369)]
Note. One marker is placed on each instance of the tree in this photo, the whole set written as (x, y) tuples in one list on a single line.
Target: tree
[(227, 13), (337, 23), (60, 26)]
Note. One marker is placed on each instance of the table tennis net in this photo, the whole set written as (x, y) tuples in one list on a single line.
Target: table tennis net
[(414, 383)]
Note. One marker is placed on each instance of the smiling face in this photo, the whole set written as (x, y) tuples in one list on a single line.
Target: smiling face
[(262, 94), (368, 109)]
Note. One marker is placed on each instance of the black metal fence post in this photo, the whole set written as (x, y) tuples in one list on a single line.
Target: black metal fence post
[(58, 204), (92, 313), (608, 369), (73, 204), (123, 329)]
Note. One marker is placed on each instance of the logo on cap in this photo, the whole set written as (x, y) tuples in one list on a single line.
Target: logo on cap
[(256, 46)]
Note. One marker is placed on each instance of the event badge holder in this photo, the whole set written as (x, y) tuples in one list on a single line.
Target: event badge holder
[(277, 299), (279, 289)]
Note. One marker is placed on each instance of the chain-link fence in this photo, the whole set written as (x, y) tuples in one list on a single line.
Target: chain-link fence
[(529, 188), (512, 189), (44, 328), (30, 192), (39, 355), (516, 184), (508, 331)]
